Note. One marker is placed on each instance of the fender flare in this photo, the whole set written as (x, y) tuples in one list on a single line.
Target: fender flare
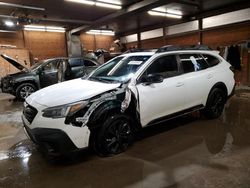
[(102, 111), (219, 85)]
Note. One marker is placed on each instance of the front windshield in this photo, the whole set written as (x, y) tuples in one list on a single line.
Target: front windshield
[(119, 71)]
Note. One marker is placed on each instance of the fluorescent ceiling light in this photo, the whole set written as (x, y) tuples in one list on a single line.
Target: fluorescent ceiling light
[(165, 14), (44, 28), (170, 11), (101, 32), (115, 2), (83, 2), (7, 31), (106, 5), (9, 23), (100, 3)]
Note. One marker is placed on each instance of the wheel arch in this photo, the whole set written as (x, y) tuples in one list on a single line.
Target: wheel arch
[(112, 107), (25, 81), (219, 85), (101, 112)]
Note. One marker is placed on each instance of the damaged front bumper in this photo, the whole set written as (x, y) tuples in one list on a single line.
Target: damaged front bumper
[(53, 135), (52, 141)]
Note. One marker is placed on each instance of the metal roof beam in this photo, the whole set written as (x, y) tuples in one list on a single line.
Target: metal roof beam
[(21, 6), (131, 10)]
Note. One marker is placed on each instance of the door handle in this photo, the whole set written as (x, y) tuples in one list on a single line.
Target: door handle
[(179, 84), (209, 76)]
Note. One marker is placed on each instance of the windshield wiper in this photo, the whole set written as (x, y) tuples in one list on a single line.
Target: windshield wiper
[(101, 79)]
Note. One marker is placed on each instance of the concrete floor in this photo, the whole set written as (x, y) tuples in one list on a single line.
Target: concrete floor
[(189, 152)]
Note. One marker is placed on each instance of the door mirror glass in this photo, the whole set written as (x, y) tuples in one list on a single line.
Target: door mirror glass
[(152, 78)]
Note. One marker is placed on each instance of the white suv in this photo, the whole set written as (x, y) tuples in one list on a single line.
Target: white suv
[(127, 93)]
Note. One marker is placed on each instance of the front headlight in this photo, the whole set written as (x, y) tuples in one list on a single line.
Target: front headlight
[(64, 110)]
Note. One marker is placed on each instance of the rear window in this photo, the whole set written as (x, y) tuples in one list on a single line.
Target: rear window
[(211, 60), (193, 62)]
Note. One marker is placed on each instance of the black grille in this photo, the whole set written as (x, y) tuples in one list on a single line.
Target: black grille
[(29, 113)]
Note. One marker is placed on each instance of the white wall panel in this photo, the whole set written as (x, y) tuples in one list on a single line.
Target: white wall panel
[(152, 34), (227, 18), (129, 38), (182, 28)]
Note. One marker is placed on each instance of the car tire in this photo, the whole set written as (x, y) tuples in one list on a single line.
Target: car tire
[(215, 104), (24, 90), (115, 135)]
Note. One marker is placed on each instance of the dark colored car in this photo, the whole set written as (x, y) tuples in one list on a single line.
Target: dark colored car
[(44, 73)]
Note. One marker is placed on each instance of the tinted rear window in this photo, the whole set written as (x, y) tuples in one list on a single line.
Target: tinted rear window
[(211, 60), (193, 62)]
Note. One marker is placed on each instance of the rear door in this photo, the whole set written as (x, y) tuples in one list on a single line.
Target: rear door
[(89, 66), (77, 67), (196, 75)]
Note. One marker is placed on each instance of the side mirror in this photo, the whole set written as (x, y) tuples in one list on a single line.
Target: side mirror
[(152, 78)]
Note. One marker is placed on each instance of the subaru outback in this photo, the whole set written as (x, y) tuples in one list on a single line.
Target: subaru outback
[(130, 92)]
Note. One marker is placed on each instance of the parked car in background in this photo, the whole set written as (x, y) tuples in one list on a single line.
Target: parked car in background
[(130, 92), (44, 73)]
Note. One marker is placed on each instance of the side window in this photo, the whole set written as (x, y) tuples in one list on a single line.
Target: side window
[(76, 62), (192, 62), (51, 66), (166, 66), (211, 60), (89, 63)]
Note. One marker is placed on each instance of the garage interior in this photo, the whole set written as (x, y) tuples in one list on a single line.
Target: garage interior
[(189, 151)]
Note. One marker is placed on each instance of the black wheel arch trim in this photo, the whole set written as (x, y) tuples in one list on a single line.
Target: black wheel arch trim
[(219, 85), (101, 111), (17, 84)]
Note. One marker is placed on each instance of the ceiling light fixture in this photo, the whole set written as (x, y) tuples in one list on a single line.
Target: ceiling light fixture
[(7, 31), (115, 2), (83, 2), (101, 32), (44, 28), (100, 3), (106, 5), (165, 14), (170, 11), (9, 23)]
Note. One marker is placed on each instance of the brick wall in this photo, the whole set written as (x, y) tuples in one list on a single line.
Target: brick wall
[(93, 42)]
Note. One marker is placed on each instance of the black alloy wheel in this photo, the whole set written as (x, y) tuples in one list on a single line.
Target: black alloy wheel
[(215, 103), (115, 136)]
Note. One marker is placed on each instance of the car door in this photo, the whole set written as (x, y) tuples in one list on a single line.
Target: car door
[(48, 73), (196, 74), (77, 67), (158, 100), (89, 66)]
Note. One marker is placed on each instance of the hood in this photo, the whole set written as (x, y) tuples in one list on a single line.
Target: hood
[(13, 62), (18, 75), (69, 92)]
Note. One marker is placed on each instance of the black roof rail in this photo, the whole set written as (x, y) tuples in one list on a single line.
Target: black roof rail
[(139, 50), (169, 48)]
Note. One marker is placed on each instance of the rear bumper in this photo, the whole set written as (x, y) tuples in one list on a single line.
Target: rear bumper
[(53, 141)]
